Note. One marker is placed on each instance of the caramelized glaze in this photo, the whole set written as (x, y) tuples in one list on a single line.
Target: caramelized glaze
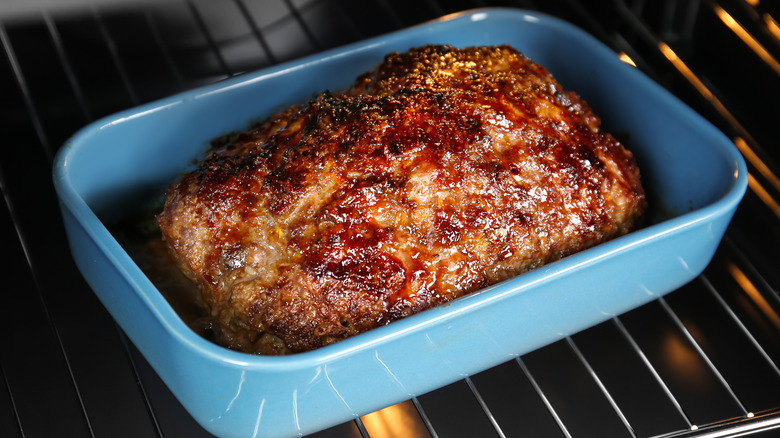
[(436, 174)]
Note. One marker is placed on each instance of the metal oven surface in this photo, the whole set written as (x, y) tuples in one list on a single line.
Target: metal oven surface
[(703, 361)]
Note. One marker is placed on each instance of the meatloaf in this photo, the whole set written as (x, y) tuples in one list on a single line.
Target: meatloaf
[(441, 171)]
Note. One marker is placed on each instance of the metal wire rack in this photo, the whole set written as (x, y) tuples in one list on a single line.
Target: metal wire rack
[(704, 361)]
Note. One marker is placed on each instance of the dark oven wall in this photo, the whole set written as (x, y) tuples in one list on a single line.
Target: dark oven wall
[(703, 361)]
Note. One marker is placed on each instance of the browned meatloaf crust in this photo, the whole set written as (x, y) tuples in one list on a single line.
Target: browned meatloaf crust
[(439, 172)]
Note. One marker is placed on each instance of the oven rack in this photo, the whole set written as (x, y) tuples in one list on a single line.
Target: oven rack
[(703, 361)]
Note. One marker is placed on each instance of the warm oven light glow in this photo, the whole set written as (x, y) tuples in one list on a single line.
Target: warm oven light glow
[(747, 38), (627, 59), (685, 71), (400, 420), (684, 360), (759, 164), (754, 294), (762, 194), (772, 26)]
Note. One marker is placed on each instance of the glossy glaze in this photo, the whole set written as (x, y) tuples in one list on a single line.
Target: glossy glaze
[(441, 172)]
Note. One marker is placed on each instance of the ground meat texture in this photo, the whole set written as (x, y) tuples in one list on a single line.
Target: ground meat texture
[(439, 172)]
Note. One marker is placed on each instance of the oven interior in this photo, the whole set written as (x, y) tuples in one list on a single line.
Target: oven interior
[(702, 361)]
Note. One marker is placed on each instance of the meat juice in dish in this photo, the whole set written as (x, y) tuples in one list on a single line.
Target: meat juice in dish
[(441, 171)]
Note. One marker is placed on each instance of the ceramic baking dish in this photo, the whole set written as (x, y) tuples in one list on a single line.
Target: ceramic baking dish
[(694, 176)]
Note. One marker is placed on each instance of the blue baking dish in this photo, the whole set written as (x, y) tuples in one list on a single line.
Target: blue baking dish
[(114, 167)]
